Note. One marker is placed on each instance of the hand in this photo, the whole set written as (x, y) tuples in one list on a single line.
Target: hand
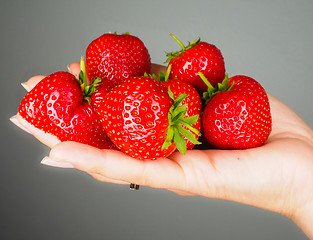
[(277, 176)]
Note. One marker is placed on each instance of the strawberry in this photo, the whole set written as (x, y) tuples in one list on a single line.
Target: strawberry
[(197, 56), (237, 115), (60, 105), (114, 57), (192, 101), (97, 96), (142, 119)]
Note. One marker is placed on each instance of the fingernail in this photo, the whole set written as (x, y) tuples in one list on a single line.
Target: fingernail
[(24, 85), (68, 68), (16, 122), (56, 163), (13, 119)]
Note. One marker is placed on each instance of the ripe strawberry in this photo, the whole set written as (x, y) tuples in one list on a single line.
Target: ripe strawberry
[(197, 56), (57, 105), (142, 120), (238, 118), (114, 57), (192, 101), (97, 96)]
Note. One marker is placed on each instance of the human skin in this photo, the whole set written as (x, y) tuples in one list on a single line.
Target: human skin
[(277, 176)]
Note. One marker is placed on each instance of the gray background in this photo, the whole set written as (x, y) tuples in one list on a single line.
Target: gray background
[(269, 40)]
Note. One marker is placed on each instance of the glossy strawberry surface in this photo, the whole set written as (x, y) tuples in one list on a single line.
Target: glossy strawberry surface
[(239, 118), (135, 117), (114, 57), (99, 95), (56, 105)]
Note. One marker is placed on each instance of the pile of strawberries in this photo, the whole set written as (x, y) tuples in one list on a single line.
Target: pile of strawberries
[(118, 104)]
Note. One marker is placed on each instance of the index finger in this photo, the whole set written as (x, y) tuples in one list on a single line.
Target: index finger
[(156, 68)]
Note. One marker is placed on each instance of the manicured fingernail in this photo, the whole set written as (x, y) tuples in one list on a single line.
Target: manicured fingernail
[(16, 122), (24, 85), (56, 163), (13, 119), (68, 68)]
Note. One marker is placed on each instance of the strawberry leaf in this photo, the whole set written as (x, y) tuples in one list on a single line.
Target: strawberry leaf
[(191, 137), (161, 76), (177, 119), (169, 139), (192, 119), (171, 94), (179, 112), (191, 128), (179, 99), (179, 141)]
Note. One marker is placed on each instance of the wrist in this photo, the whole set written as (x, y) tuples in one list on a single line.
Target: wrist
[(303, 218)]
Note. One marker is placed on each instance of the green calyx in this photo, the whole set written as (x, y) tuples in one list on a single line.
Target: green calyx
[(212, 91), (175, 131), (87, 90), (115, 33), (171, 55)]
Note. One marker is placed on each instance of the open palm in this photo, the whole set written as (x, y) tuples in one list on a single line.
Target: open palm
[(277, 176)]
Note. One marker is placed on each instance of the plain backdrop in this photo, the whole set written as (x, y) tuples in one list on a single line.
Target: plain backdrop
[(270, 40)]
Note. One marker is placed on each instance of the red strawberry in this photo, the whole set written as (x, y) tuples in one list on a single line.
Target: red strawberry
[(197, 56), (239, 118), (192, 101), (114, 57), (98, 96), (142, 120), (57, 105)]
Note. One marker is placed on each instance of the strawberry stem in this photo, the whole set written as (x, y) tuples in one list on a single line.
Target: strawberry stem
[(212, 91), (178, 41), (87, 90), (83, 71)]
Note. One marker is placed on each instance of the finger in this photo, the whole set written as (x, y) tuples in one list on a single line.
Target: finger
[(115, 165), (108, 180), (46, 138), (32, 82), (74, 68), (285, 121), (63, 164), (156, 68), (182, 193), (52, 162), (14, 120)]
